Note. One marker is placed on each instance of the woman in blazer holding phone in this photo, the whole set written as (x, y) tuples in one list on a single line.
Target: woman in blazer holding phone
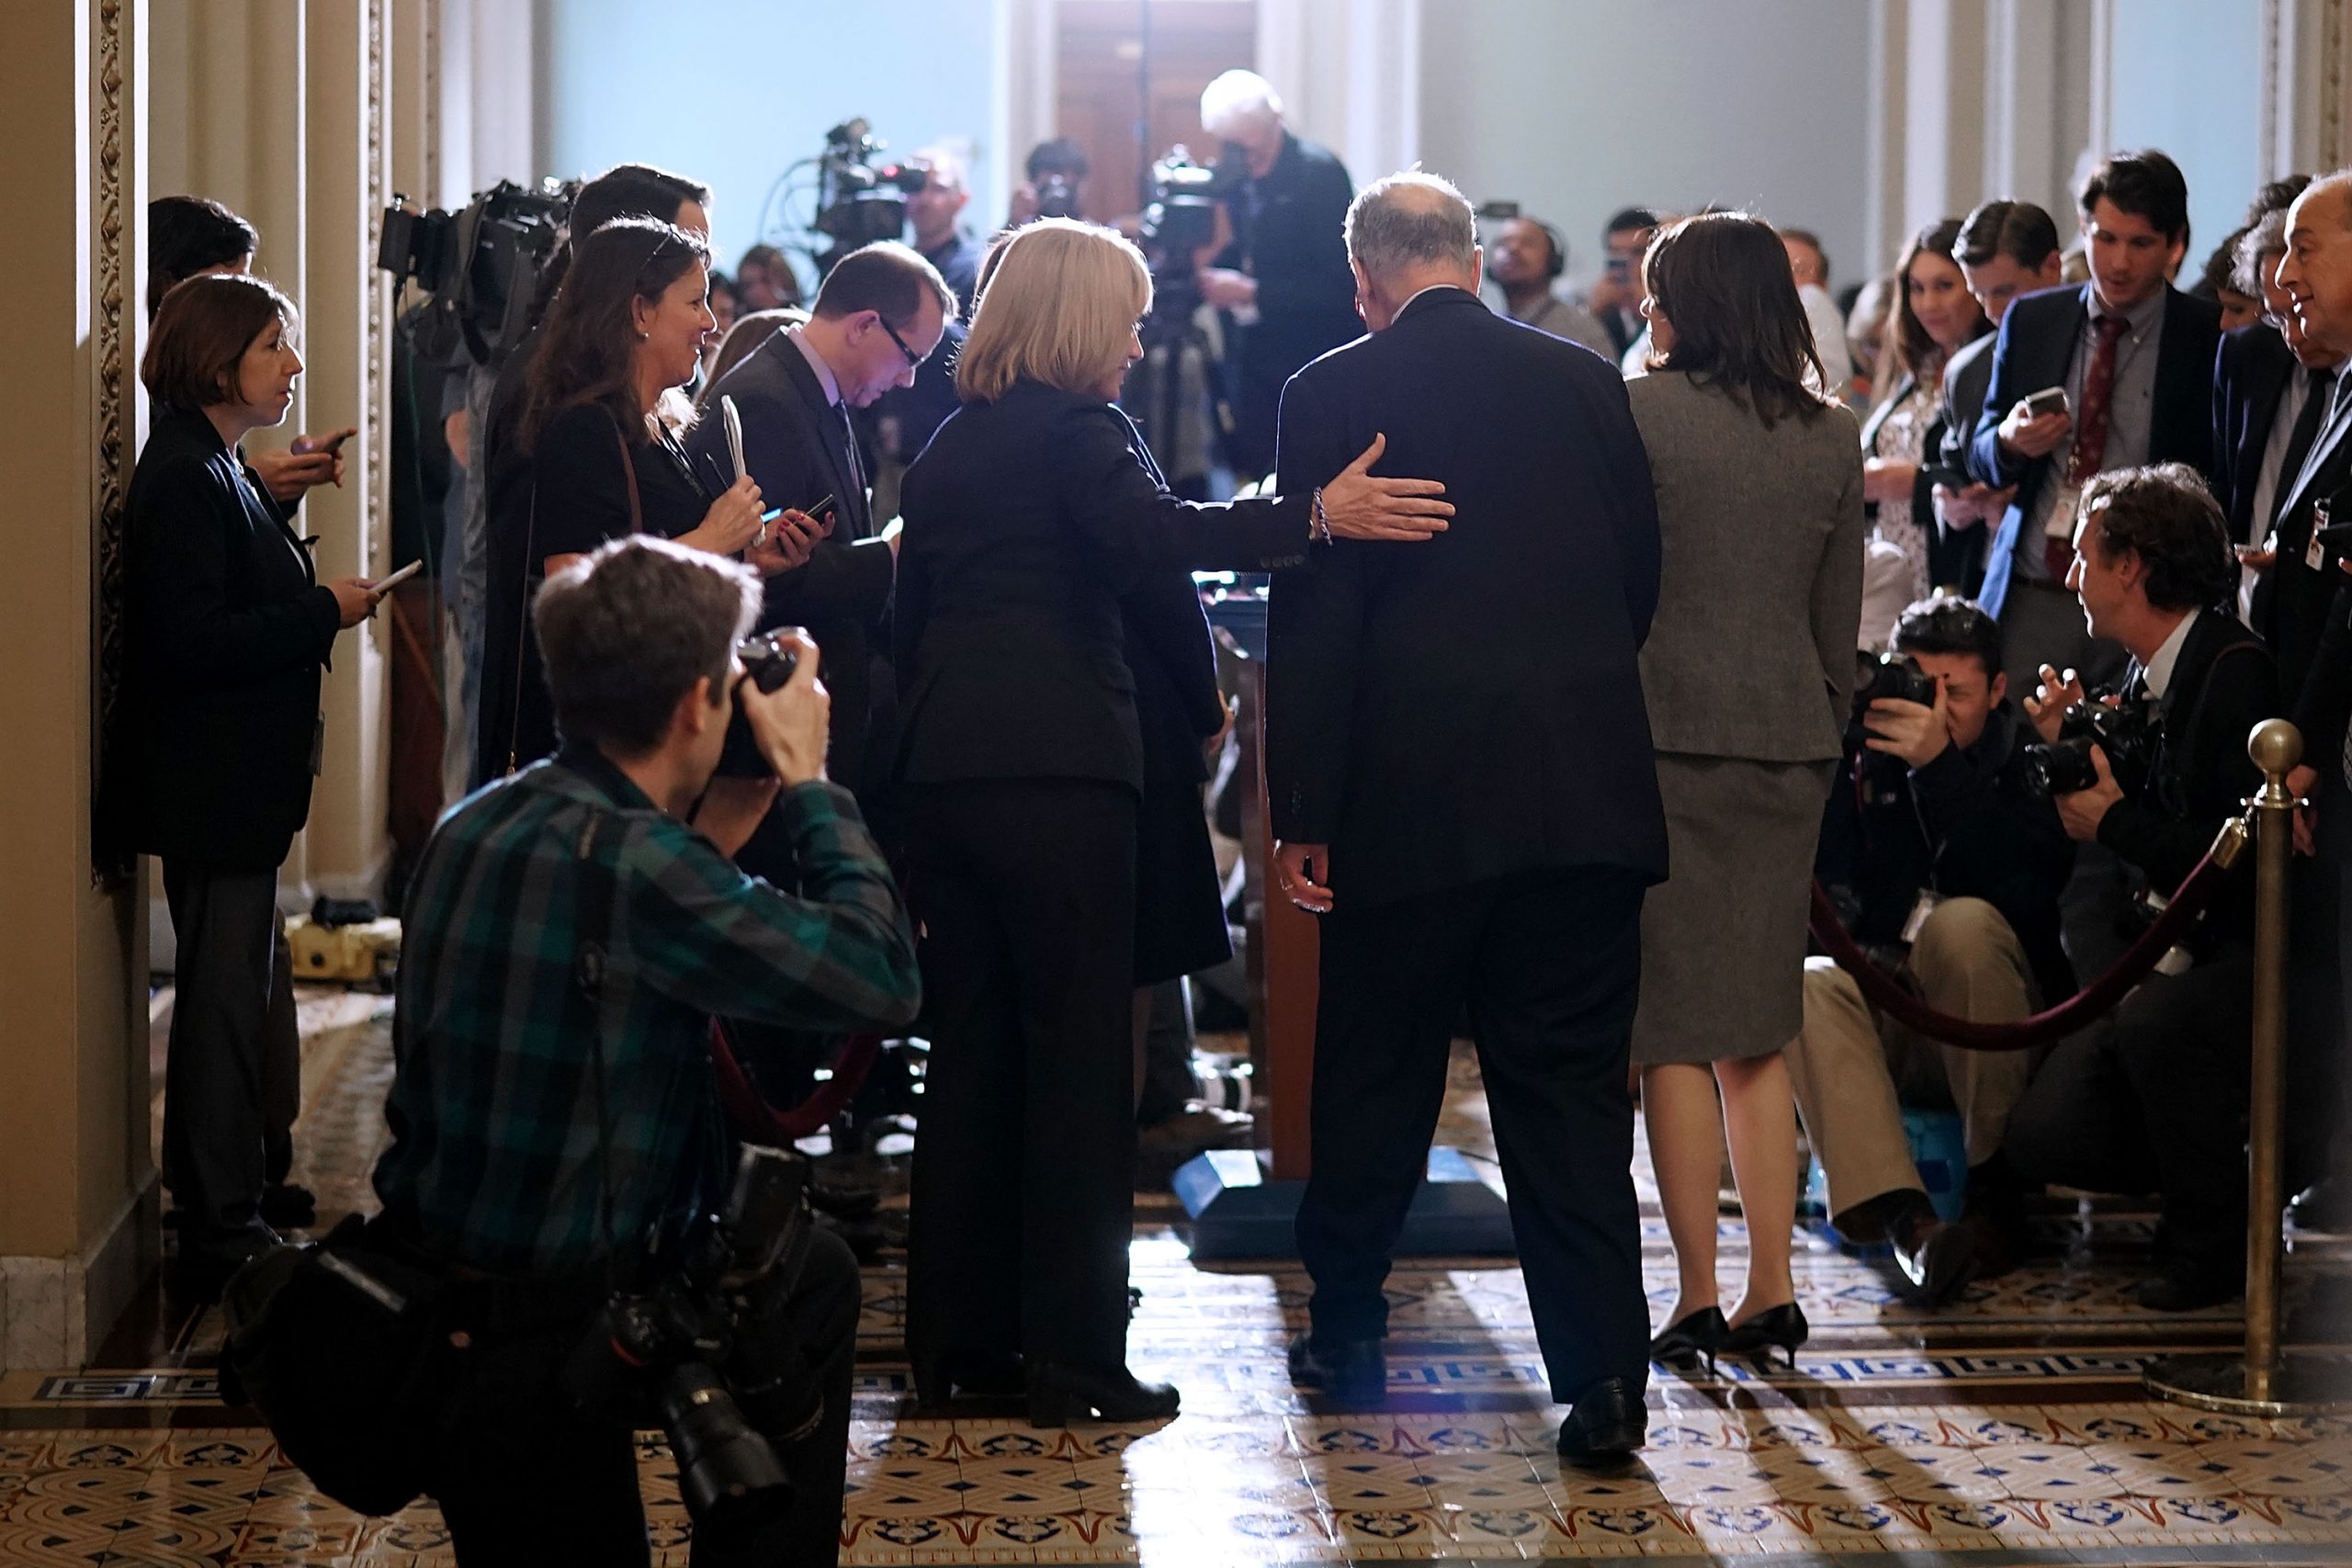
[(218, 736)]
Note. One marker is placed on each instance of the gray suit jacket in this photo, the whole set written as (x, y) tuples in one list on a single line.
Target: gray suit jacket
[(1752, 652)]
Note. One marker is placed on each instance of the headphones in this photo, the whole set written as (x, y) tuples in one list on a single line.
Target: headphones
[(1558, 242)]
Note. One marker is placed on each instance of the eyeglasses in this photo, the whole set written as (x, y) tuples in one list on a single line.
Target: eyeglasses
[(915, 360)]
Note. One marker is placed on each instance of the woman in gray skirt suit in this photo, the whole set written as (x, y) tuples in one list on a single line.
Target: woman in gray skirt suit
[(1748, 670)]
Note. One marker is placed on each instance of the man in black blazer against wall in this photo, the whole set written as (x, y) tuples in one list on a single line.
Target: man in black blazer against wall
[(2135, 358), (1460, 773), (877, 316)]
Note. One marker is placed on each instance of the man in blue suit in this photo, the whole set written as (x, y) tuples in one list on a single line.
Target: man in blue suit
[(1459, 770), (2135, 358)]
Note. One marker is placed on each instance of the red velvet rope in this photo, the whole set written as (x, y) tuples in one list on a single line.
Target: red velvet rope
[(1887, 994), (753, 1119)]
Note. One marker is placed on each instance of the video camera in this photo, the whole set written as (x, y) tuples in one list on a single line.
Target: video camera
[(1178, 221), (676, 1350), (1056, 194), (861, 200), (483, 266), (2127, 734)]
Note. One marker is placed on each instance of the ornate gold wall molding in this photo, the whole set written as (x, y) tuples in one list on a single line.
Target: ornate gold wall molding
[(2333, 41), (113, 326)]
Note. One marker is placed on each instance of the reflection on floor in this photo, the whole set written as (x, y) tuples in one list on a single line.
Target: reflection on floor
[(2009, 1428)]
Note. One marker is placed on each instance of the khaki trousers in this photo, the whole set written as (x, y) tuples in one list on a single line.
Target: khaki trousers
[(1853, 1068)]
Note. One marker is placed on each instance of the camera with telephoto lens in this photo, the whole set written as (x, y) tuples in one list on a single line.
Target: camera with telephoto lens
[(677, 1350), (482, 265), (768, 662), (1056, 194), (859, 199), (2127, 734)]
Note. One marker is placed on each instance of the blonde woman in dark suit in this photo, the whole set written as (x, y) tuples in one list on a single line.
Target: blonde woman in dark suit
[(1748, 670)]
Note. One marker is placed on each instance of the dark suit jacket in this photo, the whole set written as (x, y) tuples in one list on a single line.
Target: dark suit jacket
[(1966, 378), (2223, 686), (1452, 712), (1288, 234), (2035, 349), (2250, 375), (228, 629), (1029, 521), (2291, 605), (792, 445)]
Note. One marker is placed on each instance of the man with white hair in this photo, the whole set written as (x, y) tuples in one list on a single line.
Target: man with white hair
[(1460, 776), (1283, 279)]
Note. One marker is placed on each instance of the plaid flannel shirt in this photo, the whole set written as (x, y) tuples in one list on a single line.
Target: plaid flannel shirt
[(494, 1108)]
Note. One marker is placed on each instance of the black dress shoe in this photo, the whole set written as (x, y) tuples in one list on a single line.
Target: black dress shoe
[(1060, 1392), (1353, 1370), (971, 1374), (2189, 1284), (1937, 1259), (285, 1207), (1692, 1341), (1607, 1424), (203, 1261), (1782, 1328)]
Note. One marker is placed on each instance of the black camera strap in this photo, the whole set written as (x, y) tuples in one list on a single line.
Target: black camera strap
[(584, 1003)]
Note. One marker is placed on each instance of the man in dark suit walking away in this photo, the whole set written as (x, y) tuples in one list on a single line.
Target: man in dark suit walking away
[(1459, 770)]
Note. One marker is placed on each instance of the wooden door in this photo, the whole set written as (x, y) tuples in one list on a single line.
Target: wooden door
[(1100, 46)]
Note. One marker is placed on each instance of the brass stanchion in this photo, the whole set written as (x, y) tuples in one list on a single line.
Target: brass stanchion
[(2265, 1379)]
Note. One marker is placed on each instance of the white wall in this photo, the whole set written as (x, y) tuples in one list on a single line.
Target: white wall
[(730, 93), (2188, 77), (1575, 110)]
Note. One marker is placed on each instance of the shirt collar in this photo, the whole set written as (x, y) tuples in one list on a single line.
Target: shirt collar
[(816, 361), (604, 776), (2138, 319), (2158, 674)]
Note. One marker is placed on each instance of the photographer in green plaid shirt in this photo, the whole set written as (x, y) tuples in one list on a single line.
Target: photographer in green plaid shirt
[(505, 1152)]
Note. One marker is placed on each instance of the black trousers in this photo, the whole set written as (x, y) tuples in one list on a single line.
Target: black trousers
[(1024, 1193), (231, 1083), (2156, 1103), (525, 1477), (1548, 966)]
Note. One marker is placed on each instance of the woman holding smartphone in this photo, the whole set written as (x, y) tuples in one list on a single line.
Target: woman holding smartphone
[(228, 628), (628, 325)]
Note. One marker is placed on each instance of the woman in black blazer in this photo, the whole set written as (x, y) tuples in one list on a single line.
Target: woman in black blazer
[(219, 733), (1028, 518), (627, 326)]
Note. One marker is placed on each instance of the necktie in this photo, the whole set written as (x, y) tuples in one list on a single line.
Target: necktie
[(852, 508), (2090, 435), (2298, 442)]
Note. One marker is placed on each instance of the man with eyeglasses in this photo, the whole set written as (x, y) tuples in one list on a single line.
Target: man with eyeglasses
[(878, 315)]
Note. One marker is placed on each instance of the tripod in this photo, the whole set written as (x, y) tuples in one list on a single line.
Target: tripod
[(1156, 395)]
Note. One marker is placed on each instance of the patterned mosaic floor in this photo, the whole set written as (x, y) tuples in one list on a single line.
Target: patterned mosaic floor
[(2009, 1428)]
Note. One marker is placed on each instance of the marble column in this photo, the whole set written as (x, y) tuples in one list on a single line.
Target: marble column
[(76, 1209)]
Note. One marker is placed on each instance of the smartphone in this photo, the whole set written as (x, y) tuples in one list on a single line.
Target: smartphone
[(386, 584), (819, 511), (2050, 399)]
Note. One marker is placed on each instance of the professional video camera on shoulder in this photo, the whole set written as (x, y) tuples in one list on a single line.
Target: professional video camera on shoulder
[(482, 265), (1179, 221), (861, 198)]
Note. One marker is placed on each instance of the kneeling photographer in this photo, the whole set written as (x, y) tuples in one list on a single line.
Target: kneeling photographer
[(1946, 865), (2157, 1102), (606, 1257)]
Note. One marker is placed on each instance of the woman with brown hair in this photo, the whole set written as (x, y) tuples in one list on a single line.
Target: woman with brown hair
[(1935, 317), (228, 628), (1031, 516), (1748, 669), (626, 327)]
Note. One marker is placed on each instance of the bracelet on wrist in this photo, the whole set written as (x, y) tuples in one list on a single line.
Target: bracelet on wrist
[(1319, 521)]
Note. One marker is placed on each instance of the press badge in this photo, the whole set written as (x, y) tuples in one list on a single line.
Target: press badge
[(2315, 552), (2063, 507), (1928, 899)]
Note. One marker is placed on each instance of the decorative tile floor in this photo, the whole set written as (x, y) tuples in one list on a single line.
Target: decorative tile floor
[(2010, 1429)]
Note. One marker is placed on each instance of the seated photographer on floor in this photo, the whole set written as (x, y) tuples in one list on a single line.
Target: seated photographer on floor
[(571, 933), (2157, 1102), (1946, 865)]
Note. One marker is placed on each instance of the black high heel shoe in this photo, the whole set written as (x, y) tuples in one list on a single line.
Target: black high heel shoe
[(1059, 1393), (1781, 1327), (1696, 1339)]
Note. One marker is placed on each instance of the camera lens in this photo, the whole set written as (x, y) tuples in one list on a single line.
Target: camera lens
[(728, 1475)]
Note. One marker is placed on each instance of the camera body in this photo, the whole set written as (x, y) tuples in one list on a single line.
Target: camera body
[(1056, 194), (1178, 221), (1892, 676), (676, 1350), (482, 265), (859, 199), (2127, 734), (768, 662)]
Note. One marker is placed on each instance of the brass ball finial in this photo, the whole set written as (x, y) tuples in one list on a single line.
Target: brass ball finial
[(2276, 746)]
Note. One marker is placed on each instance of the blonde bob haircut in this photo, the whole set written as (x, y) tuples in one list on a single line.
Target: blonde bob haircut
[(1061, 307)]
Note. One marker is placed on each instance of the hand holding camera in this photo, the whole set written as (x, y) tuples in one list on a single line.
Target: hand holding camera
[(1916, 732), (786, 707)]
